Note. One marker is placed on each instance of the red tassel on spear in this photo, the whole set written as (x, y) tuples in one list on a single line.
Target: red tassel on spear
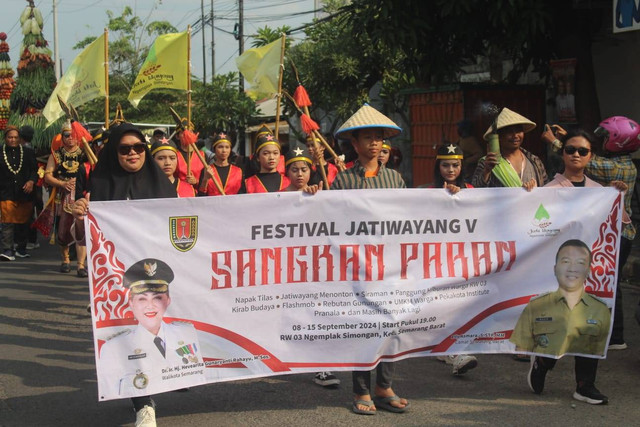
[(301, 97), (308, 125)]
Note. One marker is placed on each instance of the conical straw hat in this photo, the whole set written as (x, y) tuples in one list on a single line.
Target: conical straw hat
[(509, 118), (368, 117)]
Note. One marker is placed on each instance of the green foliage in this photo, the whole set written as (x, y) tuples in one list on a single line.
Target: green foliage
[(220, 105), (267, 35), (438, 37), (338, 66)]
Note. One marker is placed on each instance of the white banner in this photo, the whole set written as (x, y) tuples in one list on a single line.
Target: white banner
[(278, 283)]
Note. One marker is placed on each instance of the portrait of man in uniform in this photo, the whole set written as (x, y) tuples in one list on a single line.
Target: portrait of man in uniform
[(568, 320), (155, 355)]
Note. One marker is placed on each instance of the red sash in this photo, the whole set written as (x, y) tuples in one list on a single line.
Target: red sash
[(254, 185), (231, 186), (196, 166), (185, 190)]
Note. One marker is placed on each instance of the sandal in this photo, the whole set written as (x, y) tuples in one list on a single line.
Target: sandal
[(385, 403), (82, 272), (65, 267), (368, 403)]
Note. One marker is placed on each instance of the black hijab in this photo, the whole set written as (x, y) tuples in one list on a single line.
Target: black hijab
[(109, 181)]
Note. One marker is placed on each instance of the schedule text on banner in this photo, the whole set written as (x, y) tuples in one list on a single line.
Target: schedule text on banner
[(194, 291)]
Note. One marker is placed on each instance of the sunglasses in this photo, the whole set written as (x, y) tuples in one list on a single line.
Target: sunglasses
[(123, 150), (570, 150), (66, 134)]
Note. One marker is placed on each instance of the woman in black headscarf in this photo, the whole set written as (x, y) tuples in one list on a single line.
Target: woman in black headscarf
[(126, 171)]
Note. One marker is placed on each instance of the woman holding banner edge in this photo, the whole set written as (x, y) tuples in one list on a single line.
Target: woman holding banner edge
[(126, 171)]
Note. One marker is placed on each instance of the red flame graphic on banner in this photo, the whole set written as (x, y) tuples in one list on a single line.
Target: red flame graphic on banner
[(109, 296), (603, 266)]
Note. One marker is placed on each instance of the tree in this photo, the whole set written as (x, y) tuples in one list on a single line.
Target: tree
[(220, 106), (438, 37), (338, 66), (267, 35)]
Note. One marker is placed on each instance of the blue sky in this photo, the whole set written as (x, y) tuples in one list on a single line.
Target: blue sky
[(78, 19)]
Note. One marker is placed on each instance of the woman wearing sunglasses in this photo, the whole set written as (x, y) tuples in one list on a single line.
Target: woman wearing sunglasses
[(576, 153), (126, 171), (63, 166)]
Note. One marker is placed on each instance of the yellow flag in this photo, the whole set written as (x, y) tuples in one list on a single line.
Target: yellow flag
[(261, 67), (166, 66), (82, 82)]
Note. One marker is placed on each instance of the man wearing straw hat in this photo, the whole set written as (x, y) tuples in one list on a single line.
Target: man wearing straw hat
[(366, 129), (512, 166)]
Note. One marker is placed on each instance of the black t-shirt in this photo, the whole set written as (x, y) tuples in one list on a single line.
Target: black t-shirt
[(579, 184)]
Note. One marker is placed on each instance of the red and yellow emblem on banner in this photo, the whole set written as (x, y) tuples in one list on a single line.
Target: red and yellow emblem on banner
[(183, 232)]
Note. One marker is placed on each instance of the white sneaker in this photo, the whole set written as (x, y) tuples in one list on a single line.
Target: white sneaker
[(146, 417), (31, 246), (460, 363), (326, 379)]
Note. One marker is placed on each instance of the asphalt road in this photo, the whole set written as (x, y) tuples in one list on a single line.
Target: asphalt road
[(48, 378)]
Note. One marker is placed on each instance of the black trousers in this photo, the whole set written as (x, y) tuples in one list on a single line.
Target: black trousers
[(17, 233), (362, 379), (585, 368), (617, 332)]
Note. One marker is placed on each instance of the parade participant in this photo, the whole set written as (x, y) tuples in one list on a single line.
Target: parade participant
[(366, 129), (568, 320), (228, 176), (298, 169), (63, 167), (196, 167), (448, 169), (471, 149), (126, 171), (25, 135), (385, 153), (448, 175), (316, 149), (133, 361), (513, 166), (165, 153), (18, 174), (620, 137), (158, 135), (268, 179)]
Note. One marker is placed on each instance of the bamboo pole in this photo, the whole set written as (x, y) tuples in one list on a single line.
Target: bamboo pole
[(189, 99), (279, 94), (106, 78)]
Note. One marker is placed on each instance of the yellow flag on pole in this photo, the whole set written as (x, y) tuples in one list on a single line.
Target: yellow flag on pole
[(166, 66), (261, 67), (83, 81)]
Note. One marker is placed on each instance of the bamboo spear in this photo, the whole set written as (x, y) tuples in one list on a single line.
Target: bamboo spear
[(279, 94), (106, 78), (189, 99), (315, 132)]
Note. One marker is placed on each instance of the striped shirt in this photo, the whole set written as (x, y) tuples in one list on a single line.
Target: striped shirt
[(354, 179)]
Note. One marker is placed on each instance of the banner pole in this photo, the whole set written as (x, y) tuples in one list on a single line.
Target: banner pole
[(189, 96), (279, 94), (106, 78)]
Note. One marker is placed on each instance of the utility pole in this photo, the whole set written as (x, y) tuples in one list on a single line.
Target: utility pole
[(241, 130), (58, 61), (204, 48), (213, 47)]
